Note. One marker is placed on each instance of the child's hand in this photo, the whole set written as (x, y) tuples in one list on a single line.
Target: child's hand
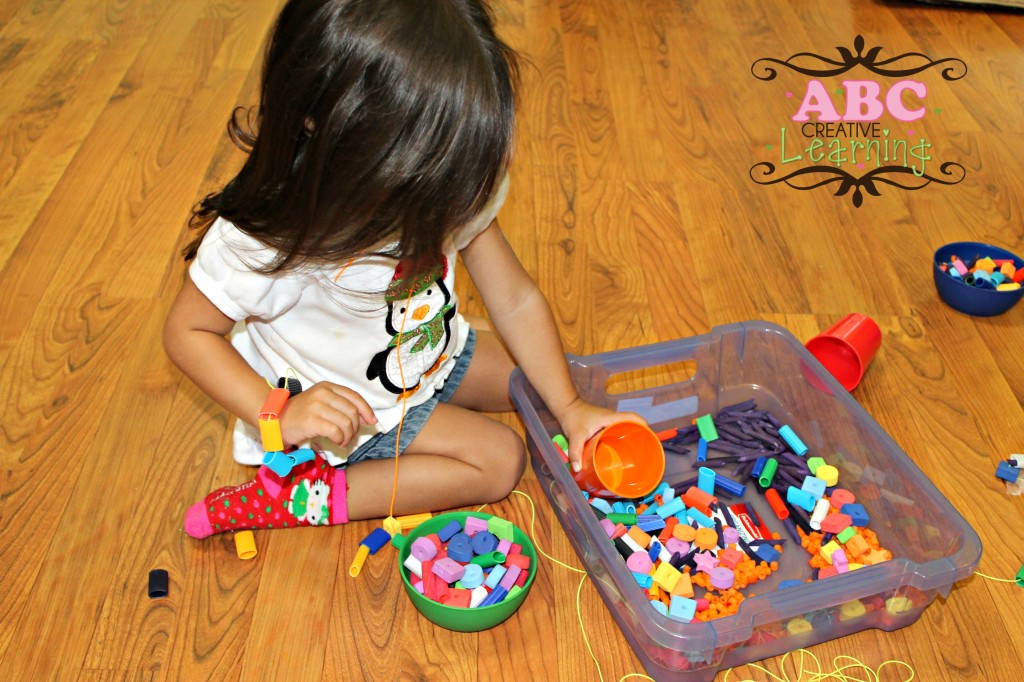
[(327, 410), (581, 420)]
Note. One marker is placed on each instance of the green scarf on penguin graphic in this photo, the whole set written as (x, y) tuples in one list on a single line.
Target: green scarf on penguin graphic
[(426, 333)]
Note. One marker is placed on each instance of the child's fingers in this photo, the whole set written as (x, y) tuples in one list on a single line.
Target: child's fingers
[(339, 431), (631, 417), (576, 453), (362, 407)]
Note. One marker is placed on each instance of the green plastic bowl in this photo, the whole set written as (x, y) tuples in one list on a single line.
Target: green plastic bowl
[(454, 617)]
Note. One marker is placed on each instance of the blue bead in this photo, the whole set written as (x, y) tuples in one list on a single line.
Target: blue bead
[(446, 533), (484, 542)]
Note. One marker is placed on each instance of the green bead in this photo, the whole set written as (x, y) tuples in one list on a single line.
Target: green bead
[(768, 473), (813, 463)]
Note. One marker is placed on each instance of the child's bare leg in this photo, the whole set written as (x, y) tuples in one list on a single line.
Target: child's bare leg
[(459, 458), (485, 386)]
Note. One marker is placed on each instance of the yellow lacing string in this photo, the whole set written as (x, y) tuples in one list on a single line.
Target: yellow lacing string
[(998, 580), (841, 664)]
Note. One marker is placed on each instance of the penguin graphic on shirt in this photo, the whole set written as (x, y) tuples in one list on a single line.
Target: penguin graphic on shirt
[(424, 303)]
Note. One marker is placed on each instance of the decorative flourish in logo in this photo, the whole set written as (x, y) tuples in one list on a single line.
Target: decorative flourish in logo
[(956, 70), (951, 170)]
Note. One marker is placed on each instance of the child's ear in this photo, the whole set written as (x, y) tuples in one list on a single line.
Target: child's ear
[(309, 125)]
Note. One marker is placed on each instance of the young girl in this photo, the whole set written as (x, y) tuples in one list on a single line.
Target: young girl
[(381, 144)]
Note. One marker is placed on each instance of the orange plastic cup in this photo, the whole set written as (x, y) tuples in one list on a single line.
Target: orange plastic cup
[(624, 459), (847, 348)]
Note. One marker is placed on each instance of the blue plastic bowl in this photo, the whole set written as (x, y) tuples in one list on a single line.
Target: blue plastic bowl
[(970, 299)]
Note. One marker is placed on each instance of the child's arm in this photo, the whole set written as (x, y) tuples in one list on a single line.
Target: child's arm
[(523, 319), (194, 337)]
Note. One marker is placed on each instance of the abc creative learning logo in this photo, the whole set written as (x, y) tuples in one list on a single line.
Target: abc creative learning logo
[(859, 134)]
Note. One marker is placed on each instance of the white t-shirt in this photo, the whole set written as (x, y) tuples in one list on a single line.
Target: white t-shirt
[(342, 328)]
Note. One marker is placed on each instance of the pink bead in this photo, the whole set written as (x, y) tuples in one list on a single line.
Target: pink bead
[(840, 562), (449, 570), (676, 545), (423, 549), (504, 546), (730, 535), (639, 562), (722, 578), (474, 525), (608, 526), (510, 577)]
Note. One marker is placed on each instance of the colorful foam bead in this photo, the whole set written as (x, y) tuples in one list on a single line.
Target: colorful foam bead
[(448, 570), (836, 523), (792, 440), (670, 508), (800, 498), (484, 542), (706, 427), (722, 578), (768, 473), (460, 548), (423, 549), (639, 562), (1007, 472), (699, 518), (472, 577), (510, 577), (495, 576), (706, 480), (474, 525), (644, 580), (840, 496), (857, 513), (682, 609), (446, 533), (501, 528), (666, 576), (829, 474), (814, 485)]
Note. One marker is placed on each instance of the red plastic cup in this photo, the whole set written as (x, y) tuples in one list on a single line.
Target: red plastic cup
[(624, 459), (847, 348)]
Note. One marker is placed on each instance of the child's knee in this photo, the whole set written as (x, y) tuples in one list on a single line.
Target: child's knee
[(508, 461)]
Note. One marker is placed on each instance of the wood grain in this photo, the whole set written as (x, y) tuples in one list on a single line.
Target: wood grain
[(632, 208)]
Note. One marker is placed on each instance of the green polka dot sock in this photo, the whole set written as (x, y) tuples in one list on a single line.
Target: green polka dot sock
[(313, 494)]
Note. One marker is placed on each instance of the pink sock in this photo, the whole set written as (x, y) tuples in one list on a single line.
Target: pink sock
[(313, 494)]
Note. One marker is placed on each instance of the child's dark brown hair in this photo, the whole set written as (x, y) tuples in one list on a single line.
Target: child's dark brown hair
[(380, 122)]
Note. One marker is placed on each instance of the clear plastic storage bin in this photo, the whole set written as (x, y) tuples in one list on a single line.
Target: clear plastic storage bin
[(932, 544)]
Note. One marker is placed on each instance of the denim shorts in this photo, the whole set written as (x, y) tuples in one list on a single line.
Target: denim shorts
[(382, 445)]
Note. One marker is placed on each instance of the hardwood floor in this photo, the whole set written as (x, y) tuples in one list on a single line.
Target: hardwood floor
[(632, 206)]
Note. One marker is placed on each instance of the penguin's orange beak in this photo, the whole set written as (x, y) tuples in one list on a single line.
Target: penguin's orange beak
[(420, 312)]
